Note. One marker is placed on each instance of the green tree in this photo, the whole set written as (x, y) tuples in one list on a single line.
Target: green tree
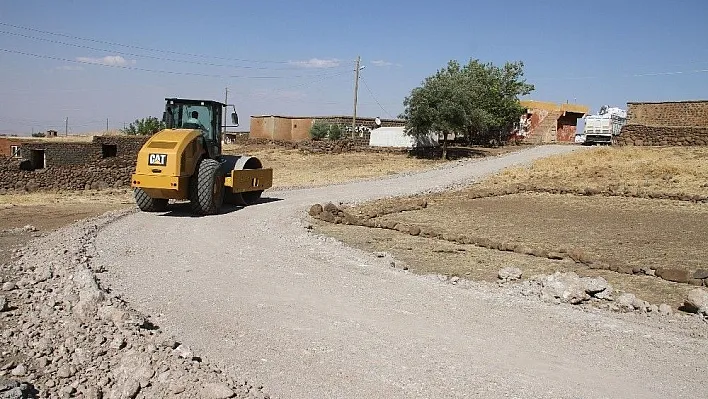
[(477, 99), (144, 127), (38, 134)]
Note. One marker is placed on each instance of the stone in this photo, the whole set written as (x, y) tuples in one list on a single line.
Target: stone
[(315, 210), (606, 294), (665, 309), (4, 304), (594, 285), (696, 282), (327, 216), (414, 231), (90, 296), (64, 372), (556, 256), (19, 370), (626, 302), (697, 301), (455, 280), (675, 275), (9, 286), (217, 391), (510, 274), (184, 352), (331, 208), (563, 287), (700, 274), (117, 343)]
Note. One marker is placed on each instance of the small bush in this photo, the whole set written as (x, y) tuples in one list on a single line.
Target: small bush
[(319, 131), (335, 132)]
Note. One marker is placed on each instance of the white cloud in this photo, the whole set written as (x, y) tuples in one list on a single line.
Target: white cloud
[(111, 60), (317, 63)]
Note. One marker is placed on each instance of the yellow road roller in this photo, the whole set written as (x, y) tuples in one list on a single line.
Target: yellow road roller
[(184, 162)]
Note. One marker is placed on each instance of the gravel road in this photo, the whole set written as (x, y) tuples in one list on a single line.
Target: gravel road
[(255, 292)]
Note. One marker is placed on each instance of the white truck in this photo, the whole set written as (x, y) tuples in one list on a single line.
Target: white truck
[(603, 127)]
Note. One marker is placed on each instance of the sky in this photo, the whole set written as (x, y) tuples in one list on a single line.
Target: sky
[(92, 61)]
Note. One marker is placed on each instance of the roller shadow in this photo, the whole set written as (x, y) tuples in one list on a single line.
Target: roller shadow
[(181, 209)]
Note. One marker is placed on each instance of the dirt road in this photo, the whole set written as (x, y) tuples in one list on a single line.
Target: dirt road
[(254, 291)]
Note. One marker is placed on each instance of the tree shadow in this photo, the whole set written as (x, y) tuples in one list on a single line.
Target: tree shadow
[(453, 152)]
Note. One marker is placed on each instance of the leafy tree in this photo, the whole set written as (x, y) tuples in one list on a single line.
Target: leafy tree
[(144, 127), (38, 134), (477, 99), (319, 130), (335, 132)]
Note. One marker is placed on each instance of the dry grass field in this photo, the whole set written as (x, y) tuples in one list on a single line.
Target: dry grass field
[(673, 170), (635, 232), (293, 168)]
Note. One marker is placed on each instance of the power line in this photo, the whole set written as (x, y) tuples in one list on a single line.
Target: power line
[(140, 47), (637, 75), (157, 70), (146, 56), (374, 97)]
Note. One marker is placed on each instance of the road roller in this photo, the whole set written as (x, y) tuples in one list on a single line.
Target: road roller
[(184, 162)]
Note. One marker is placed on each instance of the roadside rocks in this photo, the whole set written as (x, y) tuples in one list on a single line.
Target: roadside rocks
[(596, 291), (65, 336), (508, 274), (697, 301)]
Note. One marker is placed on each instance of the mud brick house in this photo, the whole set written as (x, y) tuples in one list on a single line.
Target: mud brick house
[(41, 154), (297, 128), (10, 146), (669, 123), (546, 122)]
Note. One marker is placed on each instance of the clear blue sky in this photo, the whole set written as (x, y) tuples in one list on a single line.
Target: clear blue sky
[(297, 58)]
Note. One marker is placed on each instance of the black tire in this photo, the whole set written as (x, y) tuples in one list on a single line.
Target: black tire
[(147, 203), (206, 188)]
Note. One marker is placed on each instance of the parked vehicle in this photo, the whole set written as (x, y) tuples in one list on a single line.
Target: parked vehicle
[(603, 127)]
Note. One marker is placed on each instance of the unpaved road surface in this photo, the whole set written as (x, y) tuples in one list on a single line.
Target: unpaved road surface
[(255, 292)]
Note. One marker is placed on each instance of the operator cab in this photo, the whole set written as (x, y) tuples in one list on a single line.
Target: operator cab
[(203, 115)]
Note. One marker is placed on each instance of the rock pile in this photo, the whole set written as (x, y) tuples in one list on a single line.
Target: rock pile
[(573, 289), (65, 336)]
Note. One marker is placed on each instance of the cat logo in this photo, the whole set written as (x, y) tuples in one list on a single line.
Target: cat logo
[(157, 160)]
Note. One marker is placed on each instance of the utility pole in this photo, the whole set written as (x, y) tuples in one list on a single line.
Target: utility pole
[(106, 125), (356, 93), (66, 126)]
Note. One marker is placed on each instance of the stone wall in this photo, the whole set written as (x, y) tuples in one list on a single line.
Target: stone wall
[(666, 124), (323, 146), (100, 174), (640, 135), (668, 114)]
